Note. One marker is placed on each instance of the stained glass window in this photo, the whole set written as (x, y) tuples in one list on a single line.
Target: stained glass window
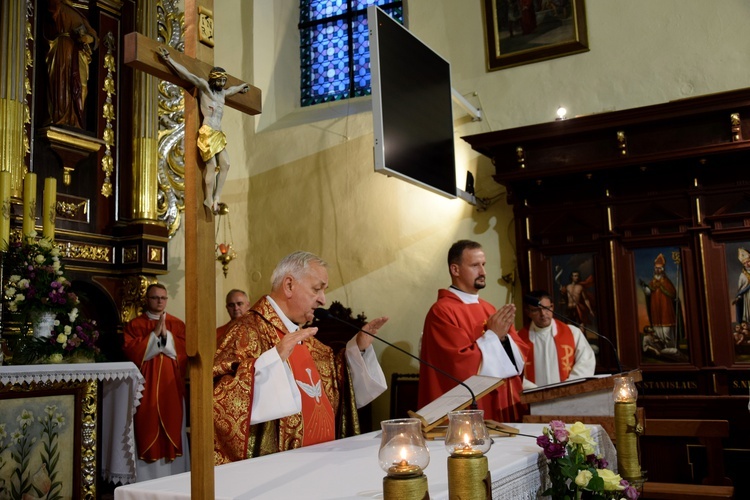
[(335, 48)]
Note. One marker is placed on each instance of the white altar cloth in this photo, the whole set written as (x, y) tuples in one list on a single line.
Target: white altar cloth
[(121, 388), (348, 469)]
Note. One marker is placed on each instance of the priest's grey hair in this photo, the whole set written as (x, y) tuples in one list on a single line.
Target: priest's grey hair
[(295, 264)]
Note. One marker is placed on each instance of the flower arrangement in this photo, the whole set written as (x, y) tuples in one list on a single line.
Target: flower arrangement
[(37, 284), (37, 279), (574, 469), (73, 338)]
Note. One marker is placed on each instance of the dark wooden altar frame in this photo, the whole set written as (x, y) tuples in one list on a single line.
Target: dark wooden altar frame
[(666, 175), (84, 403)]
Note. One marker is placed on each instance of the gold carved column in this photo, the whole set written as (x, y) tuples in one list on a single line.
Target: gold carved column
[(13, 85), (145, 128)]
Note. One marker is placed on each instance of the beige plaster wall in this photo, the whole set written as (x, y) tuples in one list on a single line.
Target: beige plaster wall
[(303, 179)]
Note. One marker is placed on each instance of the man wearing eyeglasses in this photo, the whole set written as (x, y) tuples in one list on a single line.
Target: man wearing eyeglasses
[(155, 342), (556, 351)]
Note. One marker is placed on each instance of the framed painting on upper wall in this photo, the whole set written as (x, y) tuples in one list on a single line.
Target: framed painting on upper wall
[(525, 31)]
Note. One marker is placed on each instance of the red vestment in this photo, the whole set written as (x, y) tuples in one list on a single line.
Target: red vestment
[(332, 414), (449, 341), (222, 330), (661, 302), (566, 351), (158, 419)]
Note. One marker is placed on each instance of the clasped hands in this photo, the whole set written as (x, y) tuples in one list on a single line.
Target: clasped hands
[(501, 321)]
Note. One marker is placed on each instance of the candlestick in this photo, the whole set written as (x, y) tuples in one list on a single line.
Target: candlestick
[(48, 208), (403, 455), (627, 429), (29, 204), (4, 209), (467, 440)]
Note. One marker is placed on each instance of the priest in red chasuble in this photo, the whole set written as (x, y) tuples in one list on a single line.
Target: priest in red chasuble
[(155, 342), (276, 387), (464, 336)]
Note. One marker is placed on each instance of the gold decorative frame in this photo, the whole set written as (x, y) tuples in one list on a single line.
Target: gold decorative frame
[(558, 30), (51, 400)]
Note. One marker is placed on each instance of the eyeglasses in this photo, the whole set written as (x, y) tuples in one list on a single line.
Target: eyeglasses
[(157, 298)]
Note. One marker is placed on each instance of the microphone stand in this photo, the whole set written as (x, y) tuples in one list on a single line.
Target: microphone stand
[(321, 313), (537, 303)]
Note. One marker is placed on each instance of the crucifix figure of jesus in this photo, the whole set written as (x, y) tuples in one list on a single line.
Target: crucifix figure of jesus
[(142, 53), (212, 141)]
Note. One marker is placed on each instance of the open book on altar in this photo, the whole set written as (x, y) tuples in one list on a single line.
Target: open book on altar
[(458, 398)]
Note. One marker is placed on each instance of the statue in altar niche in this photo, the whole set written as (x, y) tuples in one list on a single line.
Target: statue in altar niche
[(71, 43), (212, 141)]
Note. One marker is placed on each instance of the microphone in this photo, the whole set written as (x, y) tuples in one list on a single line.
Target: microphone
[(535, 302), (321, 313)]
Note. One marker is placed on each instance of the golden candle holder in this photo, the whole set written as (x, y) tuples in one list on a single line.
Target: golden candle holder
[(627, 430), (467, 440), (403, 455)]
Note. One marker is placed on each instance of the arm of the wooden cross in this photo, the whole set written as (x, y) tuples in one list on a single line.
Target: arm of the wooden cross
[(142, 54)]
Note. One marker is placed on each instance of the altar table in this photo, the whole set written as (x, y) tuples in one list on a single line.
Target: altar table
[(348, 469), (121, 388)]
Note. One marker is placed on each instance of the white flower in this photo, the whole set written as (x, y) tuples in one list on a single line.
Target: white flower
[(67, 329), (57, 322), (73, 314), (56, 265), (12, 307), (25, 418), (24, 283), (55, 252), (19, 297), (10, 291), (39, 259), (14, 278), (45, 243)]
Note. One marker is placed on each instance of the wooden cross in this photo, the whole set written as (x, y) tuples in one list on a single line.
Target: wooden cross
[(200, 277)]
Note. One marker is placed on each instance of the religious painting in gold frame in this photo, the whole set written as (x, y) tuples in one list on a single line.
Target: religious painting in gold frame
[(737, 256), (48, 440), (660, 302), (526, 31)]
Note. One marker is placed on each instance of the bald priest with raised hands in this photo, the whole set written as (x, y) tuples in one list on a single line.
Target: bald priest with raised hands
[(276, 387)]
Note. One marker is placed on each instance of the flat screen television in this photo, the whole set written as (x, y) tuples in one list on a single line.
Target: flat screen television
[(411, 107)]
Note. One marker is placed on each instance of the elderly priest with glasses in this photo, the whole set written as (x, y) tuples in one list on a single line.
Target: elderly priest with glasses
[(276, 387)]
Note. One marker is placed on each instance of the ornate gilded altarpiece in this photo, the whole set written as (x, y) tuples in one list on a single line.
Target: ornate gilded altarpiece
[(120, 190), (119, 167)]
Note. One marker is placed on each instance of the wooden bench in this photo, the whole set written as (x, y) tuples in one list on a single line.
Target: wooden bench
[(710, 434), (685, 491)]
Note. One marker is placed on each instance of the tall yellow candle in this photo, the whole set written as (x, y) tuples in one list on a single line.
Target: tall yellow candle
[(4, 209), (48, 208), (29, 203)]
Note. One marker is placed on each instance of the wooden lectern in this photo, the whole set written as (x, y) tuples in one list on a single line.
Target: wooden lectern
[(586, 400)]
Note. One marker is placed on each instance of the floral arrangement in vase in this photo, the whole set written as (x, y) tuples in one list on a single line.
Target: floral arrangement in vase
[(37, 281), (39, 292), (574, 469)]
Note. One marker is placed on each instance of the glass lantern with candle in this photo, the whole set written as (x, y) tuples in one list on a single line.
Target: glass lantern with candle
[(403, 455), (467, 440), (627, 429)]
